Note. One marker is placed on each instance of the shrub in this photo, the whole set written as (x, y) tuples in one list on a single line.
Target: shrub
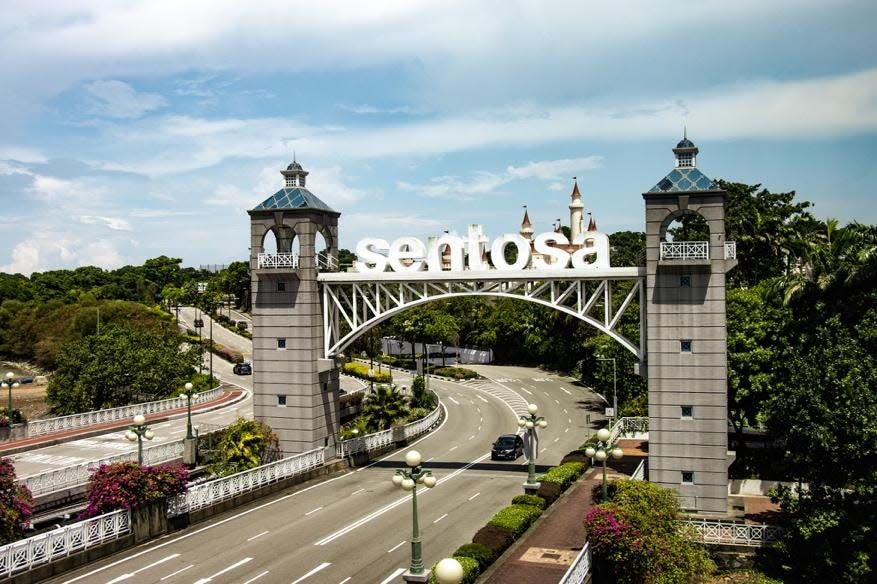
[(13, 416), (245, 444), (550, 492), (360, 370), (351, 399), (515, 518), (416, 414), (456, 372), (576, 456), (496, 539), (125, 485), (229, 355), (478, 552), (564, 475), (471, 571), (16, 504), (532, 500)]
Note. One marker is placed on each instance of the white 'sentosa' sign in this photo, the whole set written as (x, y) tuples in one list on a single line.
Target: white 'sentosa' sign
[(409, 254)]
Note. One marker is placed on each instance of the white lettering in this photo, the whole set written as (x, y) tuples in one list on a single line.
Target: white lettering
[(595, 244), (372, 261), (558, 259), (456, 247), (497, 252), (406, 255)]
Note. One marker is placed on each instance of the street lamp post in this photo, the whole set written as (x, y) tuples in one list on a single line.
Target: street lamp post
[(188, 393), (603, 450), (614, 384), (211, 350), (408, 479), (190, 448), (449, 571), (10, 385), (137, 432), (531, 422)]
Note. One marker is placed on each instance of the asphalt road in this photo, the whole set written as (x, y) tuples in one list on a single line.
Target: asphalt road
[(356, 527)]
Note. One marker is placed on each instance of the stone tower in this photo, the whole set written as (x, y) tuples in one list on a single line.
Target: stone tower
[(576, 228), (295, 390), (687, 339)]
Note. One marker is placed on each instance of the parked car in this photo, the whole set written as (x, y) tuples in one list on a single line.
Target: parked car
[(509, 446), (243, 369)]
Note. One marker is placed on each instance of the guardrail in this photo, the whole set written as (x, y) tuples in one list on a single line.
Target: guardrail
[(73, 476), (580, 567), (685, 250), (212, 492), (26, 554), (47, 426), (378, 440), (728, 532), (639, 473), (625, 426), (730, 250), (277, 260)]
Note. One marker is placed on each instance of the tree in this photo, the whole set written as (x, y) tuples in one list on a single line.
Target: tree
[(245, 444), (384, 406), (628, 248), (420, 397), (127, 485), (16, 504)]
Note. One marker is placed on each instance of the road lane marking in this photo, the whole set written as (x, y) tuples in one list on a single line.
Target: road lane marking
[(556, 439), (453, 400), (356, 492), (565, 431), (557, 401), (546, 393), (322, 566), (484, 400), (475, 495), (565, 390), (172, 574), (564, 411), (254, 578), (440, 518), (569, 420), (454, 448), (393, 576), (130, 574), (223, 571), (472, 436), (346, 580), (312, 511), (257, 535), (397, 546), (429, 459), (526, 391)]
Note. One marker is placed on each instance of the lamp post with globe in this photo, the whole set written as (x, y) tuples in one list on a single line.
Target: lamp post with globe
[(190, 447), (408, 479), (603, 450), (10, 385), (137, 432), (531, 422)]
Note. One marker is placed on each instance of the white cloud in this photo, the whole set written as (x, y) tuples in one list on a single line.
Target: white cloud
[(552, 169), (115, 223), (117, 99), (21, 154)]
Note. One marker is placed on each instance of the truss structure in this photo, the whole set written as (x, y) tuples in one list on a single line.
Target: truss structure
[(353, 303)]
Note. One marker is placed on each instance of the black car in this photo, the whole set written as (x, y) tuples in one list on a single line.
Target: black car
[(243, 369), (509, 446)]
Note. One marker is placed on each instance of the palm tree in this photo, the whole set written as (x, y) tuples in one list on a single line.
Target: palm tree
[(245, 444), (384, 406)]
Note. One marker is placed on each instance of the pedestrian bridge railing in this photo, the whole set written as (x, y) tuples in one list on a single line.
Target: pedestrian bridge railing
[(728, 532), (79, 474), (216, 491), (26, 554), (379, 440), (639, 473), (580, 567), (85, 419), (633, 427)]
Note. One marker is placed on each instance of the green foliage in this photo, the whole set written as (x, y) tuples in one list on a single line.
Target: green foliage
[(456, 373), (636, 537), (16, 504), (532, 500), (480, 553), (421, 398), (245, 444), (126, 485), (384, 407), (564, 475), (516, 518), (471, 570), (360, 370), (121, 365), (496, 539)]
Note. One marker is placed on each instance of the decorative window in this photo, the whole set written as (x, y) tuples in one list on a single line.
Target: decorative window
[(686, 160), (281, 286), (687, 412), (290, 181), (281, 343), (281, 401), (687, 477), (685, 281), (685, 346)]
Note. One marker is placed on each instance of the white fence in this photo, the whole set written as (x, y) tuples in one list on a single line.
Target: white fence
[(629, 427), (639, 473), (73, 476), (26, 554), (730, 250), (212, 492), (278, 260), (384, 438), (579, 569), (728, 532), (40, 427), (694, 250)]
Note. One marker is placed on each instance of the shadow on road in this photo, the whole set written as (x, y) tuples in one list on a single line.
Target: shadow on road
[(490, 466)]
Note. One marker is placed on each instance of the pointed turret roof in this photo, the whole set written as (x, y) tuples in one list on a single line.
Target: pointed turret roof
[(576, 196), (592, 225), (685, 177), (293, 197)]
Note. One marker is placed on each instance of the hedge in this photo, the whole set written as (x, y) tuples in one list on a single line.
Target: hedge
[(360, 370), (471, 571), (481, 553), (455, 372), (532, 500), (229, 355), (515, 518), (564, 475), (496, 539)]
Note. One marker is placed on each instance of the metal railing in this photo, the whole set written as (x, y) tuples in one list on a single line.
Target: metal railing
[(378, 440), (29, 553), (79, 474), (85, 419), (277, 260), (213, 492), (580, 567), (730, 250), (625, 426), (728, 532), (327, 263), (685, 250), (639, 473)]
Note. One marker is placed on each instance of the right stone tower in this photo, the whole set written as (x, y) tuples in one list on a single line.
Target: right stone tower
[(687, 362)]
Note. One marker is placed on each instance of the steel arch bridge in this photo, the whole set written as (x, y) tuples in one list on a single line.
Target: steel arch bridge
[(360, 301)]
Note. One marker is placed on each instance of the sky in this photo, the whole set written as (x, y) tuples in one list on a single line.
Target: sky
[(132, 129)]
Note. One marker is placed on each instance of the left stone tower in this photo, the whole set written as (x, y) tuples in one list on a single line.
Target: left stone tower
[(293, 237)]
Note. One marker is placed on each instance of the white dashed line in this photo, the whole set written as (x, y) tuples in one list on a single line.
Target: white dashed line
[(257, 535), (393, 576), (395, 547), (440, 518), (452, 449), (314, 571), (482, 399), (526, 391), (565, 390), (472, 436), (172, 574), (313, 511), (475, 495), (356, 492), (453, 400), (254, 578)]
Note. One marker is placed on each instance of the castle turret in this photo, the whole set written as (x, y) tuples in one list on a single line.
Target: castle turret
[(576, 206)]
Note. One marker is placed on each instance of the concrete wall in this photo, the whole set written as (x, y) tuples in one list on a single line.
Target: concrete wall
[(697, 378)]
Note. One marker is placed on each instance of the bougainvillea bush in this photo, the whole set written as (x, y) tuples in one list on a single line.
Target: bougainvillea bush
[(16, 504), (636, 538), (125, 485)]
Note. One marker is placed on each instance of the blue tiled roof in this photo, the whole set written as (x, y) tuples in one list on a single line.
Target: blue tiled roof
[(684, 179), (293, 198)]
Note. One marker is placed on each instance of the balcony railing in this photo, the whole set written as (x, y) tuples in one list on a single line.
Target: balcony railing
[(694, 250), (278, 260)]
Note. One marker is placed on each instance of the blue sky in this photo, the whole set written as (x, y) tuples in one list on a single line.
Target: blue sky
[(134, 129)]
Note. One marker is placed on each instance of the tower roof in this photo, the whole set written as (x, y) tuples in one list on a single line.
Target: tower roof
[(685, 177), (294, 195), (592, 225), (526, 221), (576, 196)]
